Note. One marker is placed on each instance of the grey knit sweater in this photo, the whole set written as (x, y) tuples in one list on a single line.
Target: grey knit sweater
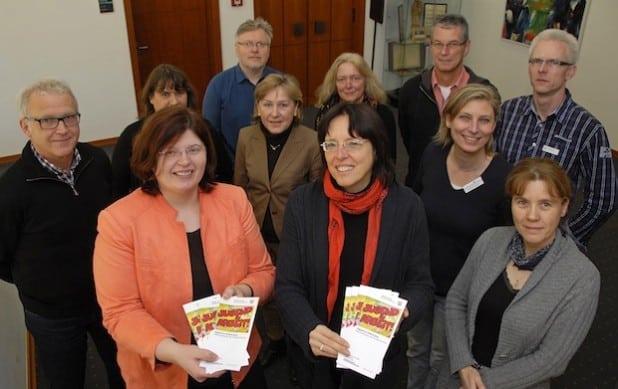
[(542, 327)]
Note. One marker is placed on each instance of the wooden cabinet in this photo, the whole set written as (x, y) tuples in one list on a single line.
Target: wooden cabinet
[(310, 34)]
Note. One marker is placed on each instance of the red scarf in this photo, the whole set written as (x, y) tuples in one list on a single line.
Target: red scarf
[(370, 200)]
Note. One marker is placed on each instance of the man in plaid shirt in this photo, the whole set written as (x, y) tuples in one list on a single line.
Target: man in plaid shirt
[(550, 124)]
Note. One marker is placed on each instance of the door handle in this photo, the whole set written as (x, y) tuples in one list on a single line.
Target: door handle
[(319, 27), (142, 47), (298, 29)]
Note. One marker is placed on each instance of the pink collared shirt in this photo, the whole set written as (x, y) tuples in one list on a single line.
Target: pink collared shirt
[(463, 79)]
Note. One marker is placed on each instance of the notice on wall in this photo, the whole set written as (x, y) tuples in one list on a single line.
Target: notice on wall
[(106, 6)]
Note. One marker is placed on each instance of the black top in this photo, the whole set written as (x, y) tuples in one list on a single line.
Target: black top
[(274, 145), (456, 219), (202, 286), (351, 261), (123, 180), (489, 319)]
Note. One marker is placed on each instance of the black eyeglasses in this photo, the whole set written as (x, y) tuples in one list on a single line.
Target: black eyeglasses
[(52, 123), (552, 63), (251, 44), (450, 45)]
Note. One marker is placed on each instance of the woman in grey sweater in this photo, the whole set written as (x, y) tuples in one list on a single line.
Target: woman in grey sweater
[(526, 297)]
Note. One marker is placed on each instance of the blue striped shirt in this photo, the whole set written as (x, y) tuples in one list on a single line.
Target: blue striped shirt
[(575, 139)]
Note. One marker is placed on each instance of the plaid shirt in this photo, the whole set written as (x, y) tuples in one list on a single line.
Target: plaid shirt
[(576, 140), (65, 176)]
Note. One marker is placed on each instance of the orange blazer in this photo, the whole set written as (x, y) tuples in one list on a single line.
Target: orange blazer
[(142, 273), (300, 162)]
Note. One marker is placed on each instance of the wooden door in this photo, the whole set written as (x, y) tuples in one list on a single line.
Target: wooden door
[(182, 33), (310, 34)]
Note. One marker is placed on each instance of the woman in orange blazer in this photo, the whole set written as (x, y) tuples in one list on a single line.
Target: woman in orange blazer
[(273, 157), (179, 238)]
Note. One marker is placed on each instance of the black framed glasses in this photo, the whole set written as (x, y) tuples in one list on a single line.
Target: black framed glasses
[(52, 123), (449, 45), (552, 63), (251, 44)]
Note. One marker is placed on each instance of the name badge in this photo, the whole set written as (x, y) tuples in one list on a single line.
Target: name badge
[(551, 150), (472, 185)]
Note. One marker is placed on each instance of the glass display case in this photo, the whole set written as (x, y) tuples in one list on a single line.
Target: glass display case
[(407, 25)]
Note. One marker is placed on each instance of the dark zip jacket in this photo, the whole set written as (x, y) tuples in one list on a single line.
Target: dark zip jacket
[(47, 232)]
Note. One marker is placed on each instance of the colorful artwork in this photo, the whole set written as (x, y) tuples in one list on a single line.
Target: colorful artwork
[(524, 19)]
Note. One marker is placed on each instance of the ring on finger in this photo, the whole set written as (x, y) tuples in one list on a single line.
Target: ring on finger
[(321, 346)]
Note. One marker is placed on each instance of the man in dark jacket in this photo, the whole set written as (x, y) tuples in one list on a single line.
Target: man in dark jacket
[(422, 97), (49, 203)]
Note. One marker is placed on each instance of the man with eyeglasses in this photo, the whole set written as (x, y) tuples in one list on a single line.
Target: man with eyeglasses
[(550, 124), (228, 101), (49, 204), (422, 98)]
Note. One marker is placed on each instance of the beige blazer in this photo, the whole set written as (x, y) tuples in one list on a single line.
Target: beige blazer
[(300, 162)]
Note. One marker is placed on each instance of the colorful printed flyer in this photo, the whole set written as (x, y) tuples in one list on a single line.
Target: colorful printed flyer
[(202, 315), (224, 327), (370, 319), (231, 333)]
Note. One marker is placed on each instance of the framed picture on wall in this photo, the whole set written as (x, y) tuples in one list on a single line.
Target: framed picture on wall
[(430, 13), (524, 19)]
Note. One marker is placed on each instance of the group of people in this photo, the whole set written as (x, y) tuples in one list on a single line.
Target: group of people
[(465, 147), (479, 240)]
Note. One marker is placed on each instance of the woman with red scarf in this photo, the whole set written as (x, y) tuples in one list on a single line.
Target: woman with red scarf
[(355, 226)]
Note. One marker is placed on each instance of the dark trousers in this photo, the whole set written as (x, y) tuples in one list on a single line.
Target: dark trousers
[(272, 320), (61, 346)]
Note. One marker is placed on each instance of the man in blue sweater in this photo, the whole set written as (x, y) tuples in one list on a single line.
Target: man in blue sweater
[(228, 101)]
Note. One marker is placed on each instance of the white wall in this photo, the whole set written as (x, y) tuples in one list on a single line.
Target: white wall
[(505, 63), (231, 18), (71, 40)]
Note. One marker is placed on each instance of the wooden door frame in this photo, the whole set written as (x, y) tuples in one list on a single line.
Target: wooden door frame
[(137, 84), (211, 28), (30, 361)]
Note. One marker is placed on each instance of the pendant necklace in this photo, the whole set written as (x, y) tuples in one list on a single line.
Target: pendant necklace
[(274, 147)]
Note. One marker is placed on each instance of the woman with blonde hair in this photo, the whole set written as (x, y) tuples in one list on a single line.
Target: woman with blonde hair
[(350, 79), (461, 182), (273, 157)]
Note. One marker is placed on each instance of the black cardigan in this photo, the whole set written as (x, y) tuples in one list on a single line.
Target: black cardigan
[(401, 264)]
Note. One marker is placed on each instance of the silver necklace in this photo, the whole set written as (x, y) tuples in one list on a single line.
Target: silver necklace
[(274, 147)]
